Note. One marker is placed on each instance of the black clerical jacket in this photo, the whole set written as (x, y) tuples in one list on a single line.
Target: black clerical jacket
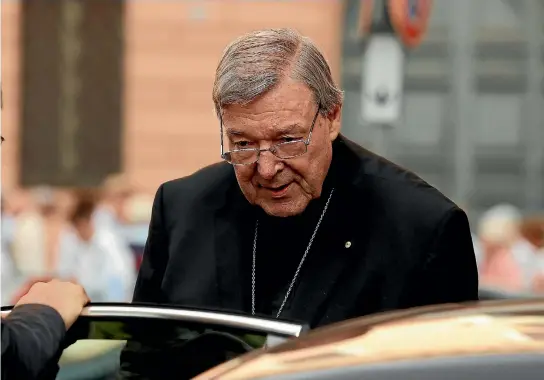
[(390, 241), (394, 242)]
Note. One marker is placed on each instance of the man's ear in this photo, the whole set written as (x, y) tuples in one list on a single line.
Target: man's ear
[(334, 119)]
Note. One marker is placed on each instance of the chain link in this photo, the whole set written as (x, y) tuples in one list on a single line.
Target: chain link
[(293, 281)]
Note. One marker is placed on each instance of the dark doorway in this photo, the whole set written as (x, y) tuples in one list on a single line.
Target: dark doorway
[(72, 91)]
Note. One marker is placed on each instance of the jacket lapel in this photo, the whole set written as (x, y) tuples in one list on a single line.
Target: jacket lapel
[(318, 285), (230, 234)]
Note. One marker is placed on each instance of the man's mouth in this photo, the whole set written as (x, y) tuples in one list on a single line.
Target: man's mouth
[(277, 191)]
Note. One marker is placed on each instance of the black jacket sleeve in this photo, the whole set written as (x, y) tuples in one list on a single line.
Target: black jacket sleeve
[(449, 273), (32, 337)]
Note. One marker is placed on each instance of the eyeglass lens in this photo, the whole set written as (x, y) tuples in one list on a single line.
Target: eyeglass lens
[(283, 150)]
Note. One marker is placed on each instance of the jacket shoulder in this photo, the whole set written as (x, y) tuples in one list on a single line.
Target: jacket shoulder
[(204, 190), (399, 191), (203, 182), (414, 200)]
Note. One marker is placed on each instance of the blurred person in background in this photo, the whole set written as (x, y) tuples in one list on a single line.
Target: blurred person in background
[(111, 210), (10, 209), (510, 261), (37, 231), (27, 241), (533, 231), (10, 276), (138, 215), (95, 255), (15, 204)]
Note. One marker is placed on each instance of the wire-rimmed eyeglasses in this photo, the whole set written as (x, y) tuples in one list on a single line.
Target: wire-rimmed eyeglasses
[(283, 150)]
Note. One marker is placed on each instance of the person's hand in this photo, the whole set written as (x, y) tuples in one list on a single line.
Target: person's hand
[(67, 298), (23, 289)]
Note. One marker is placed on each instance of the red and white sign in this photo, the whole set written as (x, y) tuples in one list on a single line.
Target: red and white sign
[(410, 19)]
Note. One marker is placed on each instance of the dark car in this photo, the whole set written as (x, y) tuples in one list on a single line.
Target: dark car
[(182, 343), (499, 340)]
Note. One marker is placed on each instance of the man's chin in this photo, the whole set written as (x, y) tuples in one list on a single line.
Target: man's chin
[(283, 210)]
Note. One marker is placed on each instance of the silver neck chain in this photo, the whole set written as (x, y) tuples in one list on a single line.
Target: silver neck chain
[(292, 284)]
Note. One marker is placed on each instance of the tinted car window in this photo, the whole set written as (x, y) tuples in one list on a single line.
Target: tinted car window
[(151, 348)]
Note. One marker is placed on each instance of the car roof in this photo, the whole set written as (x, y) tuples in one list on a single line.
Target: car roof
[(435, 332)]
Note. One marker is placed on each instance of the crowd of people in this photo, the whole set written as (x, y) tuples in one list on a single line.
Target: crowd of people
[(510, 250), (93, 236)]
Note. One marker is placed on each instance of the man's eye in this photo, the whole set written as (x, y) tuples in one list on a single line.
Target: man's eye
[(290, 139), (242, 144)]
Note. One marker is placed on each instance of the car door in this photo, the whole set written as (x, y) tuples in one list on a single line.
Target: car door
[(167, 340)]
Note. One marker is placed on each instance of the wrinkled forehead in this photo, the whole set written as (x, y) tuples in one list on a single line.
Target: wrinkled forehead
[(288, 107), (265, 124)]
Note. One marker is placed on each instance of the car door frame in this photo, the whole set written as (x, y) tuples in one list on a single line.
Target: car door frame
[(133, 311)]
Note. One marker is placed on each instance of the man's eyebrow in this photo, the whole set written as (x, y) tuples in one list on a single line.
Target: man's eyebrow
[(295, 127), (234, 132), (290, 128)]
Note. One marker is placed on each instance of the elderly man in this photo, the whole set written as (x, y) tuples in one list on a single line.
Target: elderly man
[(298, 222)]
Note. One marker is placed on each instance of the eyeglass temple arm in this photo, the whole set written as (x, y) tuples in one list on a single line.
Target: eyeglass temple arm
[(313, 125), (221, 131)]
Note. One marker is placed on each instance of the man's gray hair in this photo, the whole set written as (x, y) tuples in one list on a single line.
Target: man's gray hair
[(256, 62)]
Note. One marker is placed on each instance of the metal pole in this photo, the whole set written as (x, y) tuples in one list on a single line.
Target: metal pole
[(463, 94)]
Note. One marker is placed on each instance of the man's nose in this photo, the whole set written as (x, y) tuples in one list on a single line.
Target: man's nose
[(268, 165)]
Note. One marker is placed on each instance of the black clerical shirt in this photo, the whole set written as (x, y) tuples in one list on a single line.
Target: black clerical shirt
[(281, 244)]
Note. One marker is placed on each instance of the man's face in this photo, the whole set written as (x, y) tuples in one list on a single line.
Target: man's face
[(119, 204), (282, 187), (84, 229)]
